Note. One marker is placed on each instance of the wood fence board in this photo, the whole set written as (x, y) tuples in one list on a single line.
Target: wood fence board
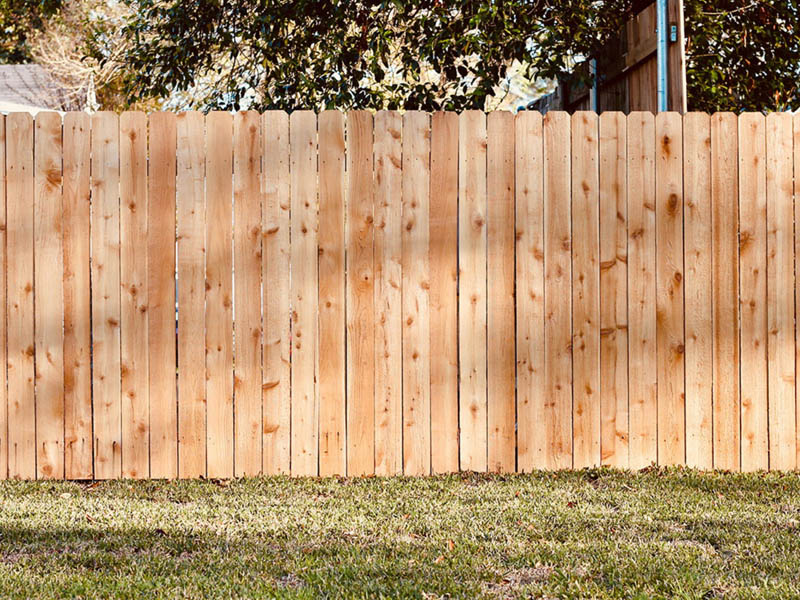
[(796, 136), (642, 353), (75, 218), (531, 433), (669, 289), (360, 296), (3, 329), (697, 264), (191, 228), (753, 290), (20, 317), (443, 295), (305, 409), (500, 368), (778, 417), (219, 293), (48, 332), (135, 407), (161, 296), (106, 312), (275, 277), (416, 404), (557, 291), (585, 291), (613, 290), (472, 289), (725, 282), (247, 293), (388, 250)]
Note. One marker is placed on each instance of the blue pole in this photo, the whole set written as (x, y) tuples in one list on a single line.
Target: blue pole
[(595, 83), (661, 54)]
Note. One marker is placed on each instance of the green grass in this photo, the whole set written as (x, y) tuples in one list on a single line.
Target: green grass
[(603, 534)]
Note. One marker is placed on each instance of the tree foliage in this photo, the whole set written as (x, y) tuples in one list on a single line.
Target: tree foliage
[(18, 19)]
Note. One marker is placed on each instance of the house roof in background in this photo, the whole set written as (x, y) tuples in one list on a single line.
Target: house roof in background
[(29, 88)]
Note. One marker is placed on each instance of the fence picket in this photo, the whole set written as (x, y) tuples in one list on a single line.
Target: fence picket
[(47, 269), (388, 249), (219, 293), (472, 289), (753, 290), (779, 411), (697, 263), (3, 328), (133, 300), (443, 296)]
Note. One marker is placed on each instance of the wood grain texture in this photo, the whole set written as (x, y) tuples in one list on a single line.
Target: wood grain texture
[(219, 293), (275, 280), (416, 315), (557, 291), (360, 296), (697, 263), (191, 214), (49, 335), (613, 290), (135, 405), (443, 295), (500, 368), (106, 311), (669, 289), (305, 407), (778, 414), (161, 324), (796, 136), (19, 315), (529, 160), (472, 289), (388, 251), (725, 282), (642, 357), (753, 290), (247, 204), (585, 291), (3, 336), (75, 218)]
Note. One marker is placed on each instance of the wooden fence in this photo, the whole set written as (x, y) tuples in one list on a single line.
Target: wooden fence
[(386, 293)]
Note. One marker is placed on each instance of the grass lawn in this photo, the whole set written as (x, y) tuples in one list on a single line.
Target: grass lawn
[(603, 534)]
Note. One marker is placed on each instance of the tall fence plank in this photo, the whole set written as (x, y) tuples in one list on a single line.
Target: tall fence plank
[(669, 288), (697, 263), (416, 316), (557, 292), (443, 298), (3, 329), (305, 409), (332, 323), (796, 139), (778, 425), (585, 292), (642, 354), (247, 293), (135, 409), (725, 282), (106, 315), (531, 433), (219, 293), (613, 290), (48, 305), (500, 367), (161, 323), (75, 205), (753, 290), (388, 249), (360, 296), (191, 228), (19, 316), (472, 289)]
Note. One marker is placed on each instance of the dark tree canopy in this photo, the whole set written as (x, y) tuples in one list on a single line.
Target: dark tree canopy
[(18, 18)]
